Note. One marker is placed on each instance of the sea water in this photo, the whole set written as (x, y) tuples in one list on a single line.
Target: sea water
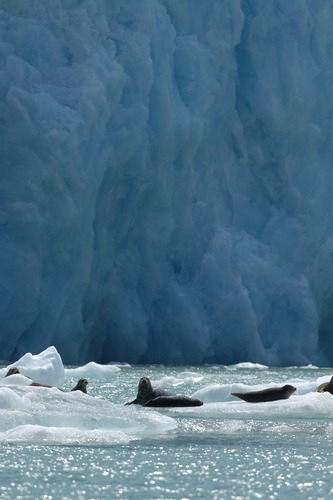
[(62, 445)]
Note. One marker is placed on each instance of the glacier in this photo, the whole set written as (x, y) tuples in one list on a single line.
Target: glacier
[(165, 179)]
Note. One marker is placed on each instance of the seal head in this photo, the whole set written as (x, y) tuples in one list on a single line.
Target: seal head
[(81, 385), (12, 371), (326, 387)]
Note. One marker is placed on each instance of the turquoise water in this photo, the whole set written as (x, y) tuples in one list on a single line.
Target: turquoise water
[(225, 449)]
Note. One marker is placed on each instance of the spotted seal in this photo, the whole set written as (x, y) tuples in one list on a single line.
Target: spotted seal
[(81, 385), (326, 387), (148, 396), (271, 394), (12, 371), (146, 393)]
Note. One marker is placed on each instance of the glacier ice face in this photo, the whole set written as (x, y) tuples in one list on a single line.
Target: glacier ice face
[(166, 180)]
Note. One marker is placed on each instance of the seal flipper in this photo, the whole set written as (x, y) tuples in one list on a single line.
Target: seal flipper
[(241, 395), (134, 402)]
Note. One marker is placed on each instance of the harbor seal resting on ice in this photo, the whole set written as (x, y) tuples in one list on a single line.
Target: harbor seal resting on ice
[(272, 394), (146, 392), (12, 371), (148, 396), (326, 387), (81, 385)]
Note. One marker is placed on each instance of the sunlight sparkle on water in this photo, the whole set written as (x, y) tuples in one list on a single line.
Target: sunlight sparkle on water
[(224, 449)]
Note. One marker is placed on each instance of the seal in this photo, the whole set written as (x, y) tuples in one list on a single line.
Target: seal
[(272, 394), (81, 385), (146, 393), (12, 371), (148, 396), (326, 387), (16, 371), (173, 401)]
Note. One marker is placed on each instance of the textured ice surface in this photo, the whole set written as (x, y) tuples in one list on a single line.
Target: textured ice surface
[(43, 368), (42, 415), (165, 180)]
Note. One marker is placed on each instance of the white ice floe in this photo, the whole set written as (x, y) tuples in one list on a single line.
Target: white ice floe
[(93, 370), (247, 366), (44, 368), (50, 416), (181, 379)]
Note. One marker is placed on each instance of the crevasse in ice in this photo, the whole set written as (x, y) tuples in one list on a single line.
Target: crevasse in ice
[(165, 180)]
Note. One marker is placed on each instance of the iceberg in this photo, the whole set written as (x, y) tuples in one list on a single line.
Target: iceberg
[(45, 367), (165, 181), (92, 370), (47, 415)]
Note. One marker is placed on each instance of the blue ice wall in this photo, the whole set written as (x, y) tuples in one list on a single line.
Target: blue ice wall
[(166, 180)]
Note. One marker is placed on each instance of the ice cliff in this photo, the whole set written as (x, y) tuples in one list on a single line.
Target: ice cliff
[(166, 180)]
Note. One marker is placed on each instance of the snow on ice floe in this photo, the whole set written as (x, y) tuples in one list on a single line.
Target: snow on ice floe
[(16, 379), (181, 379), (93, 370), (247, 366), (311, 405), (50, 416), (214, 393), (44, 368), (9, 399), (42, 415)]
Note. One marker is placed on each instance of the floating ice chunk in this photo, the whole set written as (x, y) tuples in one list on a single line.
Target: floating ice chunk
[(213, 393), (308, 367), (44, 368), (281, 429), (50, 416), (93, 370), (247, 366), (182, 378), (16, 379), (9, 399), (64, 436), (311, 405)]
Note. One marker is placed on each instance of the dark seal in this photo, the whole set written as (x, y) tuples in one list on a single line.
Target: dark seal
[(174, 401), (146, 393), (148, 396), (326, 387), (12, 371), (81, 385), (272, 394)]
